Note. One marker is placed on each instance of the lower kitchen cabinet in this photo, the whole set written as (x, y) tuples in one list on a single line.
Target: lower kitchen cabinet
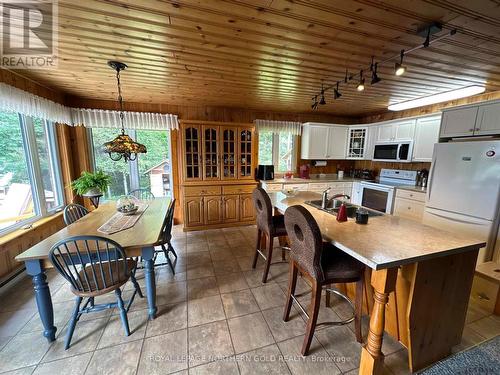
[(193, 211), (247, 211), (212, 209), (231, 208), (409, 204)]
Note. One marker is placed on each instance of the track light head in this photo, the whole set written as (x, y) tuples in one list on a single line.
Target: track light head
[(361, 84), (322, 100), (315, 102), (375, 77), (336, 92), (399, 68)]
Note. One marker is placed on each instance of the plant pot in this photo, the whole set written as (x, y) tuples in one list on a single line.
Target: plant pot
[(94, 192)]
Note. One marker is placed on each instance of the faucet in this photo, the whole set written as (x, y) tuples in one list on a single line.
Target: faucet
[(337, 196), (324, 198)]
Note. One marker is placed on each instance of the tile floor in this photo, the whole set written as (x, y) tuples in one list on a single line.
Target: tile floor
[(215, 317)]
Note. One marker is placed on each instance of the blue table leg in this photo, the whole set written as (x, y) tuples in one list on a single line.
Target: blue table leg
[(43, 299), (149, 276)]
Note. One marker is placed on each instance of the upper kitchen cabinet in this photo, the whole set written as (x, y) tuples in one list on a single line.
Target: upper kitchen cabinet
[(488, 119), (357, 142), (396, 131), (321, 141), (426, 135), (458, 122)]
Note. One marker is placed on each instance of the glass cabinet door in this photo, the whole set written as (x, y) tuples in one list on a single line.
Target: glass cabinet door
[(210, 153), (192, 138), (357, 143), (245, 140), (229, 153)]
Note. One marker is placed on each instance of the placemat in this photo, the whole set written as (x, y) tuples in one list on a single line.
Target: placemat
[(119, 221)]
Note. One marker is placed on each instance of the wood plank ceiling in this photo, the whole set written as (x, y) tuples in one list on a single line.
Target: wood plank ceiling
[(270, 54)]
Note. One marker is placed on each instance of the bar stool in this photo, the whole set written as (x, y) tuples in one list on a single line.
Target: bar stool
[(269, 225), (322, 264)]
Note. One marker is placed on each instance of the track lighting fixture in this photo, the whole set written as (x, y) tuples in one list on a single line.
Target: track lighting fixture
[(399, 68), (361, 84), (315, 102), (375, 77), (336, 92), (322, 101)]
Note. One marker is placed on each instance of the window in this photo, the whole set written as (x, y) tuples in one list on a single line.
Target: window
[(149, 171), (278, 150), (30, 182)]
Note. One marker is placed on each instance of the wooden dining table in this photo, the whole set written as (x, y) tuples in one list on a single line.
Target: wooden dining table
[(138, 240), (433, 305)]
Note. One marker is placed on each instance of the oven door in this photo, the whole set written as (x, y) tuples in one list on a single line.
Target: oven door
[(377, 198)]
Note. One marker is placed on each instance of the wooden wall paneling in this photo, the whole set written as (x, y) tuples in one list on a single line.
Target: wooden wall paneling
[(66, 161), (81, 156), (174, 178), (376, 166)]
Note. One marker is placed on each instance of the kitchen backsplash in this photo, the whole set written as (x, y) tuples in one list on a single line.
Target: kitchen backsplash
[(331, 166)]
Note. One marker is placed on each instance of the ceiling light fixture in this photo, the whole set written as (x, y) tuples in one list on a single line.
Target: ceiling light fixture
[(399, 68), (375, 77), (122, 146), (315, 102), (361, 84), (322, 100), (336, 92), (438, 98)]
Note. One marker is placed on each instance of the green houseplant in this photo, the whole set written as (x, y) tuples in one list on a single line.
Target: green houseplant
[(91, 184)]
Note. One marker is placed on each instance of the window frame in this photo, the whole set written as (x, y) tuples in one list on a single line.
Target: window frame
[(275, 153), (35, 173)]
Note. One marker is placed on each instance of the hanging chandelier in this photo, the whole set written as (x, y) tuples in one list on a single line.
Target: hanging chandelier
[(122, 146)]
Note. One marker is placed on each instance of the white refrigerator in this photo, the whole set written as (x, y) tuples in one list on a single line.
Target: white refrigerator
[(464, 189)]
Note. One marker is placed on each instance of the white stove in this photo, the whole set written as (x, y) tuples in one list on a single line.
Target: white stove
[(379, 195)]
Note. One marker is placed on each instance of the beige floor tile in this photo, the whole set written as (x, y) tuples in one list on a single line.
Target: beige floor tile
[(475, 312), (266, 360), (249, 332), (70, 366), (21, 371), (281, 330), (197, 246), (13, 321), (21, 299), (197, 272), (198, 258), (231, 282), (22, 351), (121, 359), (4, 340), (204, 287), (239, 303), (166, 276), (85, 339), (114, 332), (469, 339), (397, 362), (205, 310), (169, 318), (226, 267), (221, 254), (278, 272), (318, 362), (340, 342), (269, 296), (208, 343), (170, 293), (246, 263), (254, 278), (64, 294), (487, 327), (164, 354), (223, 367)]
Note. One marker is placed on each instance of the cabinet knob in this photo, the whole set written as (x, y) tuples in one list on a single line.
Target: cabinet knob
[(411, 195), (409, 207)]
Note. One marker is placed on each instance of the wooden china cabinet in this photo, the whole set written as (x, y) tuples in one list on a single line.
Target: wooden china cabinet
[(218, 166)]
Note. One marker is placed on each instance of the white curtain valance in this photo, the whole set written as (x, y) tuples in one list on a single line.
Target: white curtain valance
[(292, 127), (99, 118), (13, 99)]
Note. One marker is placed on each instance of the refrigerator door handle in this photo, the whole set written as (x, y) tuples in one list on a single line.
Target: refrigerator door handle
[(431, 175), (456, 220)]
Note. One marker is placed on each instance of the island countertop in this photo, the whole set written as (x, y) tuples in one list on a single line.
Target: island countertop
[(386, 241)]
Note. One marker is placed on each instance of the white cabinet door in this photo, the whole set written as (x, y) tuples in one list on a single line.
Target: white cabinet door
[(357, 193), (314, 142), (488, 120), (404, 130), (426, 135), (337, 142), (385, 133), (458, 122)]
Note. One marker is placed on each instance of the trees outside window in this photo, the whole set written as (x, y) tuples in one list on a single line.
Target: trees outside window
[(278, 150)]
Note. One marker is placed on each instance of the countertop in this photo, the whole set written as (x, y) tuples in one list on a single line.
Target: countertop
[(386, 241), (296, 180), (418, 189)]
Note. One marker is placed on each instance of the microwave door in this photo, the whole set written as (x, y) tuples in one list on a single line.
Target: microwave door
[(403, 152), (386, 152)]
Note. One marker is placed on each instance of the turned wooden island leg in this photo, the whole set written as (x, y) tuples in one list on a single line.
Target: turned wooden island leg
[(372, 358)]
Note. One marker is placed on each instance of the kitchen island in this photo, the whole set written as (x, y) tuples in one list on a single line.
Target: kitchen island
[(421, 278)]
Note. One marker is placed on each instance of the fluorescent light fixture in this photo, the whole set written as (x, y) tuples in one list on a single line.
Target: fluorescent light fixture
[(438, 98)]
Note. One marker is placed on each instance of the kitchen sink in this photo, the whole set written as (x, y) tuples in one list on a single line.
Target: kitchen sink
[(333, 207)]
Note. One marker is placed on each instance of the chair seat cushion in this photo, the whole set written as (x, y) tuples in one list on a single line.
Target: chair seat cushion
[(279, 225), (339, 266), (104, 281)]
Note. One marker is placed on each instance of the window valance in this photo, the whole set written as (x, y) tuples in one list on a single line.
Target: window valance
[(99, 118), (292, 127), (13, 99)]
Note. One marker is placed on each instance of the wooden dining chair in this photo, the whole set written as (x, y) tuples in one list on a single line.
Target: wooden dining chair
[(268, 225), (73, 212), (143, 194), (166, 237), (322, 264), (94, 266)]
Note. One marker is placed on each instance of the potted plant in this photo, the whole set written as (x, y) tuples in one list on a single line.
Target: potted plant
[(91, 184)]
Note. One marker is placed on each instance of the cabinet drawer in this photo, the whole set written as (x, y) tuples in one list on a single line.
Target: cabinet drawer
[(409, 209), (484, 293), (318, 186), (299, 187), (238, 189), (272, 187), (413, 195), (195, 191)]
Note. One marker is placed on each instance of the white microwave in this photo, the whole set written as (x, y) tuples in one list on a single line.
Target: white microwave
[(393, 151)]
